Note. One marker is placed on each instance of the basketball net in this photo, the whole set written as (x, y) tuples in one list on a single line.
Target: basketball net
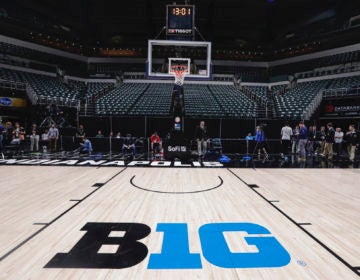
[(179, 73)]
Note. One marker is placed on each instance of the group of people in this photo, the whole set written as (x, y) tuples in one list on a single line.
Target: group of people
[(308, 141), (156, 144), (128, 143), (15, 135), (301, 140)]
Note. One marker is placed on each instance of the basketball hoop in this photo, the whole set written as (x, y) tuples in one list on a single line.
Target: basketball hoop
[(179, 72)]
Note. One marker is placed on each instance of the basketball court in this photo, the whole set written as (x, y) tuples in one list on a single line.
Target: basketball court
[(219, 203), (193, 223)]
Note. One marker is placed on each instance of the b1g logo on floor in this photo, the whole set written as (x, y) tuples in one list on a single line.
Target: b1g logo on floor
[(90, 251)]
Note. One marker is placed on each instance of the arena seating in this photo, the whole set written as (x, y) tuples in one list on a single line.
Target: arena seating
[(247, 74), (33, 54), (260, 91), (94, 88), (279, 89), (294, 101), (339, 58), (120, 100), (43, 86), (200, 102), (307, 65), (156, 100), (10, 49), (347, 82), (47, 61), (233, 102), (76, 86)]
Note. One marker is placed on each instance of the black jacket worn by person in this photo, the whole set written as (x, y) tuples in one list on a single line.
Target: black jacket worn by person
[(330, 135), (129, 141), (201, 133), (353, 138)]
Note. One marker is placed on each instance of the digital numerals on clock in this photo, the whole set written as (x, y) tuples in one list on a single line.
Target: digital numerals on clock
[(181, 11)]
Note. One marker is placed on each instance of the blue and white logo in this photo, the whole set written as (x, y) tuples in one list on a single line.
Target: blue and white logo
[(4, 101), (176, 254)]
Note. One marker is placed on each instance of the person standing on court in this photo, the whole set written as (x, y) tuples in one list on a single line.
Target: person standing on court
[(201, 138), (353, 140), (329, 142), (260, 142), (339, 136), (53, 134), (303, 138), (310, 143), (8, 136), (286, 133), (321, 144), (45, 141), (295, 140), (2, 132), (34, 138)]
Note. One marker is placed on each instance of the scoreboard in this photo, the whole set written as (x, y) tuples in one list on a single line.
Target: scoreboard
[(180, 20)]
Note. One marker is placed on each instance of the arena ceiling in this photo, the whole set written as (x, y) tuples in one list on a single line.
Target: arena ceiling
[(247, 24)]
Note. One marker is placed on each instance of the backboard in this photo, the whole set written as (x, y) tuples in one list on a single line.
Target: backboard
[(162, 54)]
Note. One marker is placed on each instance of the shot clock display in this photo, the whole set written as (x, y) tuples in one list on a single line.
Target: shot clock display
[(180, 20)]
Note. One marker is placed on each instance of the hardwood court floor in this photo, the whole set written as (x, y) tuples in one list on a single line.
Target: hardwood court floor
[(314, 214)]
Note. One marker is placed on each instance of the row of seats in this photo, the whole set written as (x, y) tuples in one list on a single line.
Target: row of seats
[(76, 86), (247, 74), (307, 65), (94, 88), (42, 85), (279, 89), (325, 72), (199, 102), (260, 91), (339, 59), (233, 102), (36, 55), (120, 100), (346, 82), (295, 101), (54, 87), (10, 49), (156, 100)]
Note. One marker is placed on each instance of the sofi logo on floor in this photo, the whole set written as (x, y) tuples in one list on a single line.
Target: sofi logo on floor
[(117, 245)]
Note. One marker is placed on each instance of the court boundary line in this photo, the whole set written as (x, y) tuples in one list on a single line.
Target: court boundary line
[(190, 192), (299, 225), (22, 243)]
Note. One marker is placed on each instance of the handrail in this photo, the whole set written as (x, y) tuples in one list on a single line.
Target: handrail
[(8, 84), (311, 108), (341, 92), (31, 94), (331, 70)]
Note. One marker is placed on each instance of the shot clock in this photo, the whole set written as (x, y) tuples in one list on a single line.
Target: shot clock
[(180, 20)]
